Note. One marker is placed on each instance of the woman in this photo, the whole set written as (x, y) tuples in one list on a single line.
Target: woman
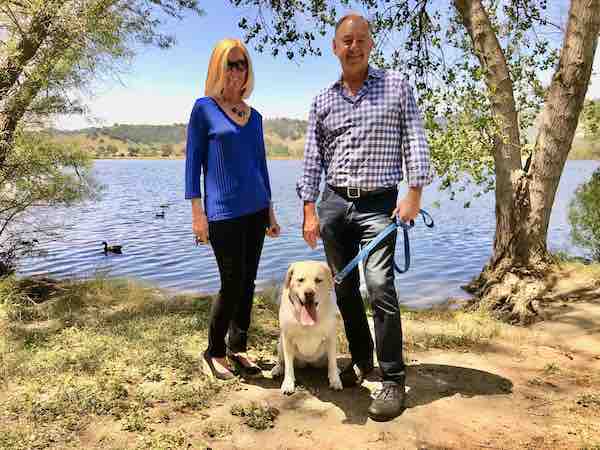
[(225, 142)]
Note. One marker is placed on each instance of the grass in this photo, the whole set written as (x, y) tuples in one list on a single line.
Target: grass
[(551, 368), (448, 329), (109, 350), (217, 429), (590, 400), (124, 354), (255, 415), (173, 440)]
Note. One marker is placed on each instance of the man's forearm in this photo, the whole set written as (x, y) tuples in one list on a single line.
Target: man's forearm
[(414, 193), (309, 209)]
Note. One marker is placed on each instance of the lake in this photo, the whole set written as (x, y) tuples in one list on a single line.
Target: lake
[(162, 251)]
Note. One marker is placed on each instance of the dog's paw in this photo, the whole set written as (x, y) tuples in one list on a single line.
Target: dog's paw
[(335, 383), (277, 370), (288, 386)]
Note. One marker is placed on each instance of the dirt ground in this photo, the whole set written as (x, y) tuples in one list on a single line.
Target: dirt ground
[(534, 388)]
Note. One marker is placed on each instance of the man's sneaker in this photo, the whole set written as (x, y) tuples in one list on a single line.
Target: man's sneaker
[(388, 402), (354, 374)]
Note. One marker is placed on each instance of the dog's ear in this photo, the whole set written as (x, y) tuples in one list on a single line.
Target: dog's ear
[(328, 275), (288, 276)]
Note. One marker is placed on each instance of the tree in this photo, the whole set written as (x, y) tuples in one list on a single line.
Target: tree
[(584, 215), (112, 149), (166, 150), (478, 67), (50, 49), (44, 174), (53, 46)]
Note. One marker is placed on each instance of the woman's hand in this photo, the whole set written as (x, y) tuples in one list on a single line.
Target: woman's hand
[(273, 230), (199, 221), (200, 228)]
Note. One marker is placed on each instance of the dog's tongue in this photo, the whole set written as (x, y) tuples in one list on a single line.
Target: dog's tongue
[(308, 314)]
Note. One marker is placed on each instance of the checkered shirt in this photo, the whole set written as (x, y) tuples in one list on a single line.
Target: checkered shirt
[(362, 141)]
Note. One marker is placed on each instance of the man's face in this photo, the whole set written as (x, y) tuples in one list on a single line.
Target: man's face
[(353, 44)]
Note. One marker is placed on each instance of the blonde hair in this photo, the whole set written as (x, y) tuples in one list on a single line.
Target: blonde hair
[(217, 67)]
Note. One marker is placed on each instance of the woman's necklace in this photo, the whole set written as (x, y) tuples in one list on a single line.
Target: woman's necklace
[(240, 112), (237, 109)]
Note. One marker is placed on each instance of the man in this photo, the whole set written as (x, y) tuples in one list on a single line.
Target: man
[(362, 130)]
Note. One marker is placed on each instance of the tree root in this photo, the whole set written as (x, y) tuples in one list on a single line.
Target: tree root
[(510, 294)]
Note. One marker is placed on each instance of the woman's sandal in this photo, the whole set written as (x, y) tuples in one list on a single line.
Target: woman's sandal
[(208, 363), (248, 366)]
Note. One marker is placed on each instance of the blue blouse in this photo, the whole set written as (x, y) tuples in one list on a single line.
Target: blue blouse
[(232, 159)]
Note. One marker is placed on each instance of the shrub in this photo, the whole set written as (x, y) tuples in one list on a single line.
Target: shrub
[(584, 215)]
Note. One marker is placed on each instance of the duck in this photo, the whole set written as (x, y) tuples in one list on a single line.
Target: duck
[(164, 205), (29, 243), (112, 248), (160, 214)]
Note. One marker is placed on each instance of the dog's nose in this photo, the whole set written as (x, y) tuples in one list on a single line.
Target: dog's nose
[(309, 296)]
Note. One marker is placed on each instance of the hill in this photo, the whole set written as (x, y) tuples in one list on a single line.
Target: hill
[(284, 138)]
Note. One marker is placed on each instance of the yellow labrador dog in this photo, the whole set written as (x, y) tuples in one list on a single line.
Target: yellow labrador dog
[(307, 323)]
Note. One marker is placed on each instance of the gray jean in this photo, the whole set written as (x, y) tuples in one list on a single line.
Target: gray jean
[(344, 225)]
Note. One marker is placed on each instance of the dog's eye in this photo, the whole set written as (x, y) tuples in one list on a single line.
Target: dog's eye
[(318, 280), (300, 280)]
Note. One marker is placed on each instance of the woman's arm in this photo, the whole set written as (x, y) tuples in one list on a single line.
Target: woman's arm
[(273, 230), (196, 148)]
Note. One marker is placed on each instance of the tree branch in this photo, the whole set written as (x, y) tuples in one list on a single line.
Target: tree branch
[(28, 46), (497, 78)]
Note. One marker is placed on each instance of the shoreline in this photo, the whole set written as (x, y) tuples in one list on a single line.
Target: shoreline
[(158, 158), (273, 158), (269, 289)]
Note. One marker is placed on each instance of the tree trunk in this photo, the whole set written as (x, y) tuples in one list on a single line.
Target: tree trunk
[(26, 72), (18, 83), (13, 111), (27, 46), (512, 280)]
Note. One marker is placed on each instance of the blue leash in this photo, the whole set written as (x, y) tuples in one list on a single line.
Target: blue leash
[(380, 237)]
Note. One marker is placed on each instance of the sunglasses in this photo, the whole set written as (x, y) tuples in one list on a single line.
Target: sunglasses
[(240, 65)]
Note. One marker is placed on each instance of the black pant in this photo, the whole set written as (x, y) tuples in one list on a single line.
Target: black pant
[(344, 225), (237, 244)]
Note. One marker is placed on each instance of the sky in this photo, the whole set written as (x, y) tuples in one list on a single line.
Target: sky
[(160, 86)]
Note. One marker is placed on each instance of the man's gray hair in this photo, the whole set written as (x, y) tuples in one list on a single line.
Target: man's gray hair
[(349, 15)]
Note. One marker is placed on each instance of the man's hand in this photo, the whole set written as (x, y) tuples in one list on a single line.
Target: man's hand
[(310, 226), (408, 207)]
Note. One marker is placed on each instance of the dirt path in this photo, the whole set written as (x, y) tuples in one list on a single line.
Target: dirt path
[(536, 388)]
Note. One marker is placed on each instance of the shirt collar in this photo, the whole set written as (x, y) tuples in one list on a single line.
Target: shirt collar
[(372, 74)]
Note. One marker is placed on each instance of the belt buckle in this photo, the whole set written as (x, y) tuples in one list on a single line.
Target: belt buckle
[(350, 190)]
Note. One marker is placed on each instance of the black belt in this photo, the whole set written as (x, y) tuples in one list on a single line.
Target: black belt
[(354, 193)]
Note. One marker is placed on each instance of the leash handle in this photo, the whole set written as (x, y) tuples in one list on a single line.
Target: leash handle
[(428, 221)]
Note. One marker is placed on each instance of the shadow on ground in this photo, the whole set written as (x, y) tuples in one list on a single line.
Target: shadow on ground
[(427, 383)]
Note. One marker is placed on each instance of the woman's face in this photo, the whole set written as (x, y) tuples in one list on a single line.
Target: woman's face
[(236, 71)]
